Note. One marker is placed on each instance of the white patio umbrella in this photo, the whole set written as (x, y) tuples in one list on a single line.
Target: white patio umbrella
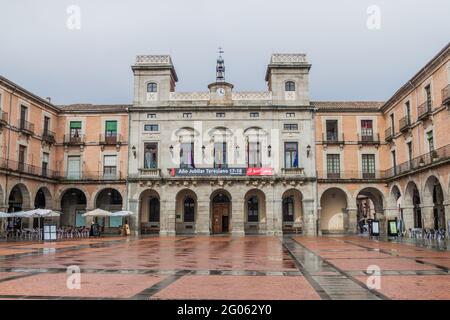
[(4, 215), (97, 213), (122, 213)]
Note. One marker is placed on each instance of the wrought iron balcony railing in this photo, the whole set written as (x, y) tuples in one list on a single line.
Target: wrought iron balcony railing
[(21, 167), (388, 134), (3, 118), (110, 139), (49, 136), (351, 175), (333, 138), (446, 95), (373, 138), (26, 127), (424, 110), (404, 123), (71, 139), (107, 174)]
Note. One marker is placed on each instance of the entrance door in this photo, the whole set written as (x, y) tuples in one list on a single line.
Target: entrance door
[(221, 213)]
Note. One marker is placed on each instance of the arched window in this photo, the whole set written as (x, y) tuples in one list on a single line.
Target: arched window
[(189, 210), (289, 86), (253, 209), (152, 87), (288, 209)]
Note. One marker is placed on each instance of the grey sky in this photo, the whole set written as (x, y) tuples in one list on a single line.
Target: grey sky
[(350, 62)]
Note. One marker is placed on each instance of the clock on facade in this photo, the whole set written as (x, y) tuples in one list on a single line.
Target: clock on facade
[(220, 92)]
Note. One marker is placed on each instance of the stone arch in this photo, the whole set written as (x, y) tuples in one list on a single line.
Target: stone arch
[(149, 211), (221, 212), (109, 199), (291, 209), (19, 198), (73, 205), (62, 191), (333, 204), (254, 211), (2, 199), (186, 211), (395, 196), (373, 194), (413, 210), (433, 199), (43, 199)]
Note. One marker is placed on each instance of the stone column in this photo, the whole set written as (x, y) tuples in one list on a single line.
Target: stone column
[(237, 218), (352, 220), (408, 217), (203, 218), (167, 218), (428, 216), (319, 215), (133, 206), (269, 216), (309, 217), (383, 223), (447, 215)]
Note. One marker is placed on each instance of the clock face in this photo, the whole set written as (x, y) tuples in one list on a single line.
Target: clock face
[(220, 92)]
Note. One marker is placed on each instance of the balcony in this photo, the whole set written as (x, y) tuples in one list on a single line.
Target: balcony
[(446, 95), (293, 172), (369, 139), (26, 127), (333, 138), (109, 174), (404, 124), (49, 136), (431, 158), (150, 172), (21, 167), (3, 118), (110, 139), (388, 134), (351, 175), (424, 110), (74, 140)]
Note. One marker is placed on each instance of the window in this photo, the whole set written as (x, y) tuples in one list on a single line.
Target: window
[(253, 209), (368, 166), (22, 157), (291, 155), (154, 209), (220, 114), (394, 161), (410, 151), (332, 130), (152, 87), (187, 155), (46, 125), (110, 166), (289, 86), (73, 167), (254, 114), (151, 115), (430, 140), (290, 127), (187, 115), (75, 129), (111, 131), (189, 210), (150, 155), (408, 112), (392, 123), (220, 155), (45, 158), (290, 114), (428, 96), (366, 130), (151, 127), (23, 116), (288, 209), (333, 166), (254, 154)]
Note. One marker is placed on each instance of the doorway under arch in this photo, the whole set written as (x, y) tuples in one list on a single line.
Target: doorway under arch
[(220, 212), (333, 204)]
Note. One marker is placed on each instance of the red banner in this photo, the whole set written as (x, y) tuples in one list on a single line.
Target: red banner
[(259, 171)]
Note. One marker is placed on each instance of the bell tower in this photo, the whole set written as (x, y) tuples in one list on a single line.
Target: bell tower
[(220, 91)]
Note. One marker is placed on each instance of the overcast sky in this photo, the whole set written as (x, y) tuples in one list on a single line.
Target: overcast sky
[(349, 60)]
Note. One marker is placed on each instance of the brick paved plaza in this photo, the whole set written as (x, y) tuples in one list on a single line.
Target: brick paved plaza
[(223, 267)]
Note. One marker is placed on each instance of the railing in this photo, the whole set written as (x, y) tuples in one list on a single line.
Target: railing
[(49, 136), (110, 139), (74, 139), (149, 172), (26, 126), (3, 117), (388, 134), (293, 171), (333, 138), (252, 95), (404, 123), (446, 95), (351, 175), (110, 174), (424, 110), (186, 96), (433, 157), (373, 138), (21, 167)]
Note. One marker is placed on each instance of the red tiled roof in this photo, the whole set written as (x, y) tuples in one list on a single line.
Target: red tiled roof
[(87, 107), (348, 105)]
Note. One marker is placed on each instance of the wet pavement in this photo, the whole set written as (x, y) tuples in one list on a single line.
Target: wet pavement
[(223, 267)]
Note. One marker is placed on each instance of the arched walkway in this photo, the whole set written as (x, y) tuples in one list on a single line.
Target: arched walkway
[(43, 199), (255, 211), (19, 198), (221, 213), (413, 202), (333, 204), (110, 199), (433, 198), (292, 210), (149, 211), (185, 211), (73, 205)]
